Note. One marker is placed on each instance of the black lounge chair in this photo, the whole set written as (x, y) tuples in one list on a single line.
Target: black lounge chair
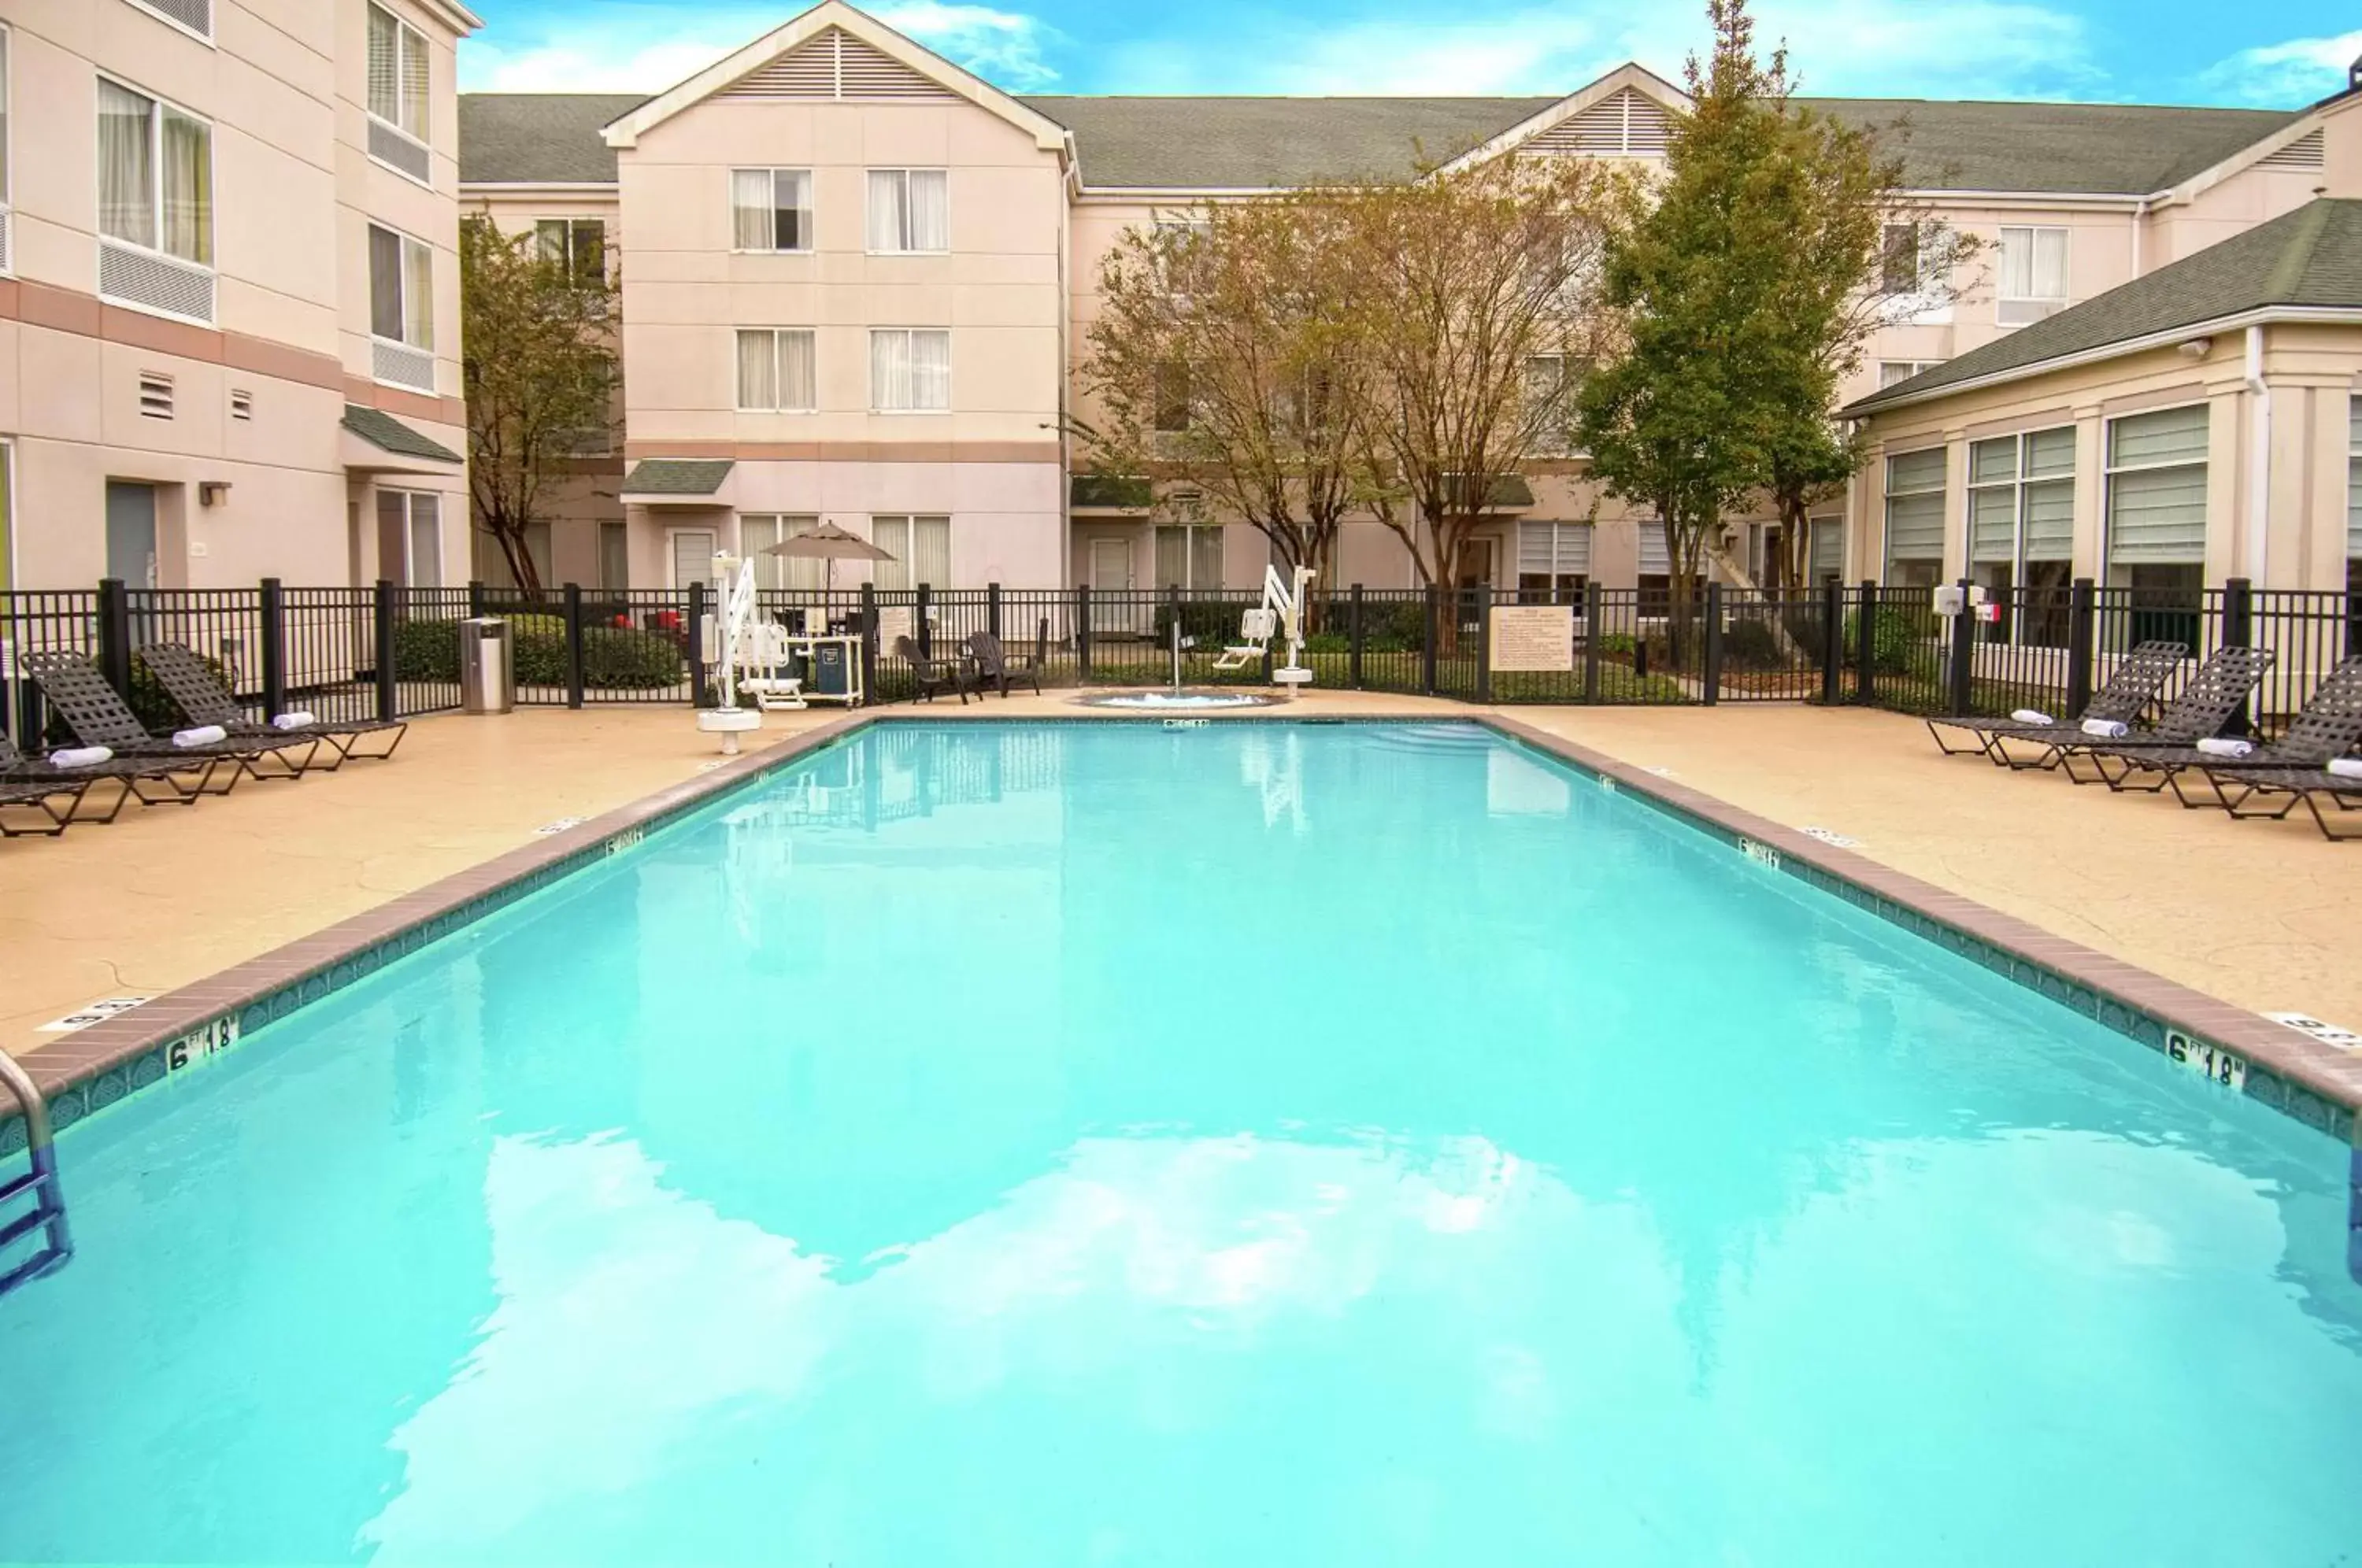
[(2214, 694), (929, 675), (97, 715), (2330, 725), (997, 667), (38, 783), (2251, 792), (2131, 688), (201, 696)]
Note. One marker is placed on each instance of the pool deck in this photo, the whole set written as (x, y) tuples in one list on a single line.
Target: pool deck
[(2259, 915)]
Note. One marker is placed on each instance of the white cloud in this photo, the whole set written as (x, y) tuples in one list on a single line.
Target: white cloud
[(2283, 75), (631, 47)]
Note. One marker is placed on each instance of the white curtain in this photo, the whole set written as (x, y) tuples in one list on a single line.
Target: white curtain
[(799, 392), (889, 369), (425, 541), (385, 284), (931, 369), (891, 534), (750, 209), (126, 169), (384, 67), (930, 226), (885, 189), (188, 188), (758, 370), (414, 84), (791, 227), (417, 293), (930, 551), (2034, 263), (1172, 555)]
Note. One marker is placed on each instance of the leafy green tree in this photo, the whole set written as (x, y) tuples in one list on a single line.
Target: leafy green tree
[(541, 374)]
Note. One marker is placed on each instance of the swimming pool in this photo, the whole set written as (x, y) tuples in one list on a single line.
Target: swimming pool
[(1009, 1145)]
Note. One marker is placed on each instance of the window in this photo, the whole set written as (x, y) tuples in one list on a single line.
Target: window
[(1914, 518), (410, 536), (3, 149), (1655, 579), (693, 556), (7, 518), (911, 370), (2156, 497), (1182, 251), (1899, 259), (1189, 555), (398, 95), (1552, 381), (2021, 526), (155, 176), (615, 556), (758, 534), (776, 369), (578, 245), (909, 211), (1892, 372), (2353, 480), (770, 209), (1172, 406), (922, 548), (1553, 562), (2033, 274), (1827, 564), (401, 308)]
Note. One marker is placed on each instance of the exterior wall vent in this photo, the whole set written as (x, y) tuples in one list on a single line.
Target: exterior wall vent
[(4, 262), (390, 147), (833, 64), (1625, 125), (2307, 151), (402, 365), (241, 403), (155, 396), (155, 283), (198, 15)]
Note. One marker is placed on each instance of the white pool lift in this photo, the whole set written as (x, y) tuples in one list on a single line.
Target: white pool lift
[(733, 624), (1281, 614)]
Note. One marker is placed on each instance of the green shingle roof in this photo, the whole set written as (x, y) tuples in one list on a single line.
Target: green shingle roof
[(1256, 143), (677, 476), (387, 434), (2309, 256)]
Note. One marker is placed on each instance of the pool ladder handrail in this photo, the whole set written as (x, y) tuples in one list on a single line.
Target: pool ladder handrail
[(48, 1204)]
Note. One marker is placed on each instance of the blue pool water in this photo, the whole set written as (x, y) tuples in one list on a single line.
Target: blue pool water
[(1251, 1146)]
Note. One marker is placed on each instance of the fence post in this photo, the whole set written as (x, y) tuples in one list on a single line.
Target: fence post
[(1713, 642), (992, 609), (1172, 623), (475, 599), (1353, 651), (1427, 643), (1082, 634), (1593, 612), (572, 604), (698, 695), (1832, 642), (1484, 645), (1865, 644), (115, 636), (922, 621), (869, 642), (389, 698), (2079, 598), (1959, 694), (2239, 632), (274, 648)]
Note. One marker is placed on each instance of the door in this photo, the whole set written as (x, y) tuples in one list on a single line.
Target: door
[(131, 533), (1111, 608), (1475, 580)]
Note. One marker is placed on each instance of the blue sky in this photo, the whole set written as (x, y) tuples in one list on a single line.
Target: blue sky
[(2274, 53)]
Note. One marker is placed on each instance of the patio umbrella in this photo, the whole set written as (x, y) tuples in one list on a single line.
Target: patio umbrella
[(827, 543)]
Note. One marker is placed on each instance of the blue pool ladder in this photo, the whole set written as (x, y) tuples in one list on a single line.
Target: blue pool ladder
[(47, 1215)]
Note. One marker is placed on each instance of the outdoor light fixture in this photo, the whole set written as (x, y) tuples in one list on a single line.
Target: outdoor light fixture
[(2196, 347), (212, 492)]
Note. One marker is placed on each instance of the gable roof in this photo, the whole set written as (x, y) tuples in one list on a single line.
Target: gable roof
[(387, 434), (2118, 149), (539, 139), (834, 16), (677, 476), (2310, 258)]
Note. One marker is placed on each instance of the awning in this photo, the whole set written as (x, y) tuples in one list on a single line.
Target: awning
[(1507, 492), (676, 481), (376, 442)]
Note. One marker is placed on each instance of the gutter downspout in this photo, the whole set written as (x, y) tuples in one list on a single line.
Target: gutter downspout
[(2260, 458), (2140, 222)]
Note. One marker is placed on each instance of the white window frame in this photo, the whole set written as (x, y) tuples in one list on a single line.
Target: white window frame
[(403, 277), (177, 25), (2110, 469), (811, 211), (902, 566), (566, 227), (8, 515), (156, 195), (422, 137), (8, 149), (781, 574), (876, 402), (906, 171), (2021, 484), (1559, 567), (739, 392), (1888, 495), (2032, 307), (1917, 366), (409, 531), (1190, 529), (672, 552)]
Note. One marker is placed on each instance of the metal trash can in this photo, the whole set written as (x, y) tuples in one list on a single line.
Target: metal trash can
[(487, 670)]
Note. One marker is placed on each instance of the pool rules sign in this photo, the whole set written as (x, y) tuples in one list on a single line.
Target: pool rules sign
[(1533, 637)]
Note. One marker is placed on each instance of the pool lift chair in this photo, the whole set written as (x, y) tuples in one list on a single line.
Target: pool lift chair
[(737, 619), (47, 1215), (1280, 613)]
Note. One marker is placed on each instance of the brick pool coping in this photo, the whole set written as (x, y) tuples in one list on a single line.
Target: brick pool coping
[(100, 1065)]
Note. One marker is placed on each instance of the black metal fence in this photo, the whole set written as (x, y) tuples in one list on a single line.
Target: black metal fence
[(388, 651)]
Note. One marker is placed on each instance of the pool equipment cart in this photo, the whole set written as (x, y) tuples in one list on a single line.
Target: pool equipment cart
[(729, 721), (48, 1211)]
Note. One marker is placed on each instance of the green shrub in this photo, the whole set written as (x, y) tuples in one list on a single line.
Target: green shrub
[(1209, 623), (1329, 643), (426, 650), (1898, 639), (1751, 645), (614, 657), (1615, 644)]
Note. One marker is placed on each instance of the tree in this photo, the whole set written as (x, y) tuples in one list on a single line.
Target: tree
[(1473, 300), (1213, 361), (540, 371)]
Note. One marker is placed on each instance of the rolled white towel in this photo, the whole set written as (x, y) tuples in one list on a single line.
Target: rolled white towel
[(202, 735), (2031, 716), (2107, 729), (2226, 746), (301, 719), (80, 756), (2346, 766)]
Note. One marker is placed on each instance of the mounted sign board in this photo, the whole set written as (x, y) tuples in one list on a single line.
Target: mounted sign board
[(896, 621), (1533, 637)]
